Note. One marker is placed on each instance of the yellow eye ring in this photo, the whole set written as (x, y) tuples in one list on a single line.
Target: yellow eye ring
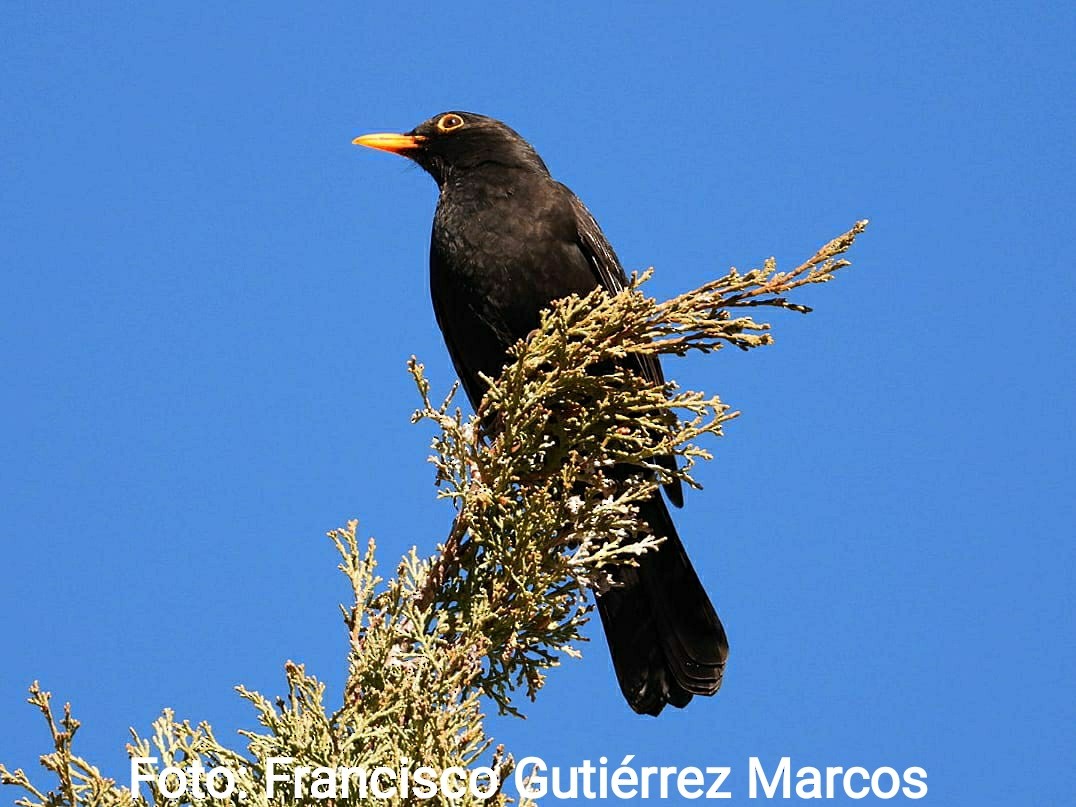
[(448, 123)]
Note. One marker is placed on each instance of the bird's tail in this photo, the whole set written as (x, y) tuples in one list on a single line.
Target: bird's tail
[(664, 636)]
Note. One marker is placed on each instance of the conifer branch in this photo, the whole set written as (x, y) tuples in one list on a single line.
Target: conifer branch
[(542, 515)]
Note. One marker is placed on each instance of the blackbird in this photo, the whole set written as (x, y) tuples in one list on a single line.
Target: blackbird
[(507, 240)]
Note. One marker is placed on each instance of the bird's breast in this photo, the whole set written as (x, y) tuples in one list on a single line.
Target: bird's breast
[(500, 253), (493, 229)]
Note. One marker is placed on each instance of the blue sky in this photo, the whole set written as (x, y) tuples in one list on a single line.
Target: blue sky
[(210, 295)]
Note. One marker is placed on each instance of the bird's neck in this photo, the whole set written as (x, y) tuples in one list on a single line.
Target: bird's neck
[(489, 180)]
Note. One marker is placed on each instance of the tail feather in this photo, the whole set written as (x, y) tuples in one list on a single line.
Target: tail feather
[(665, 639)]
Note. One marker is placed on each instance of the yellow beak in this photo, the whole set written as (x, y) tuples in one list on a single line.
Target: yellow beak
[(392, 143)]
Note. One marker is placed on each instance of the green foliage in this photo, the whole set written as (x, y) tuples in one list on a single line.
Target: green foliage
[(541, 516)]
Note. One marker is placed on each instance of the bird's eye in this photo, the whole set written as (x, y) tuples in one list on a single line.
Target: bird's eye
[(449, 122)]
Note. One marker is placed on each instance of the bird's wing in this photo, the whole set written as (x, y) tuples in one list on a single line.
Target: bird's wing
[(605, 262), (606, 266), (611, 276)]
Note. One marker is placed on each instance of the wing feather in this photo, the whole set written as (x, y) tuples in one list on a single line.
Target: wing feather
[(611, 276)]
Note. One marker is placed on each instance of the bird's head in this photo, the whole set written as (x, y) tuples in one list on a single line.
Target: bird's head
[(454, 142)]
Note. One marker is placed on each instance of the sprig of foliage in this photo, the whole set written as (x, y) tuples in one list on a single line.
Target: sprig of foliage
[(543, 510)]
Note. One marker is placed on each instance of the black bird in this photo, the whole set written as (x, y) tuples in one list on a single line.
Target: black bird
[(508, 239)]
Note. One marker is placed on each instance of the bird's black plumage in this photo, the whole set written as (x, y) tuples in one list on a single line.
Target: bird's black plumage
[(507, 240)]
